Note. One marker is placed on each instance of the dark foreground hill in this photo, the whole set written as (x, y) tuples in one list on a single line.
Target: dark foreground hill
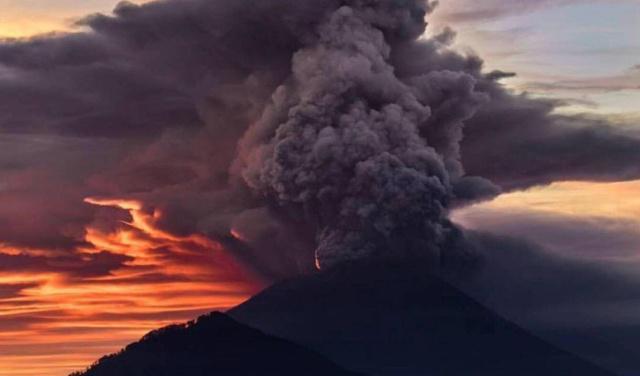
[(396, 319), (212, 345)]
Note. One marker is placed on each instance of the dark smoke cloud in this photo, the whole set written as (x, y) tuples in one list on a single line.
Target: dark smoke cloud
[(355, 135), (517, 141), (42, 183), (342, 141), (589, 307), (579, 237)]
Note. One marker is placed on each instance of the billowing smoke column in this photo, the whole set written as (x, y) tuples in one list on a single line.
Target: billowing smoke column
[(348, 144)]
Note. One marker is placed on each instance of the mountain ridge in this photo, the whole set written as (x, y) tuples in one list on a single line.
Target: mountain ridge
[(213, 344)]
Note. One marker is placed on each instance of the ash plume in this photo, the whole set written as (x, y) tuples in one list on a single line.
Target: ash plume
[(279, 128), (357, 150)]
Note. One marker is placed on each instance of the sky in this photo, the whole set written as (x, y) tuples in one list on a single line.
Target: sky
[(59, 311), (65, 315), (581, 50)]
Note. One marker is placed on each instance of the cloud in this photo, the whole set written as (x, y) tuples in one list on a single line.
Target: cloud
[(579, 237), (126, 115), (97, 264), (627, 80), (32, 167), (469, 11), (344, 144), (212, 133), (562, 261), (127, 277), (518, 142), (587, 307)]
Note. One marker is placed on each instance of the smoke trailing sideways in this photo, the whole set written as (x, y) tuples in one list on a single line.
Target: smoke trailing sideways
[(334, 126)]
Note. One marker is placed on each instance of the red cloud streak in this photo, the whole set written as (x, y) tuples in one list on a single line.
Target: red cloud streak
[(57, 319)]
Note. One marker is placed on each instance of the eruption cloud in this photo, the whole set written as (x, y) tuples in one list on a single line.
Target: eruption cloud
[(275, 129), (347, 144)]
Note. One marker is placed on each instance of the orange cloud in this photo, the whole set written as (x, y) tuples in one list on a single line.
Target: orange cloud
[(574, 199), (24, 19), (53, 322)]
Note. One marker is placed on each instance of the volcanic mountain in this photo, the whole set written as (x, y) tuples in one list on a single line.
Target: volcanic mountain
[(214, 344), (374, 317), (395, 318)]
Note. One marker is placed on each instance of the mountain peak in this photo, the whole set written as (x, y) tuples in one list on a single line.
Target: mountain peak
[(387, 317)]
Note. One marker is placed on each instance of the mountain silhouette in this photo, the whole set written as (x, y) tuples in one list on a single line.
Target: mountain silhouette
[(212, 345), (396, 318), (375, 317)]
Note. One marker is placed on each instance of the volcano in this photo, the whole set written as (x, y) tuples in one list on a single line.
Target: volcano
[(371, 317), (395, 318)]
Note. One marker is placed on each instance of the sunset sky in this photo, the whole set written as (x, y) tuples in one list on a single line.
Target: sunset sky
[(86, 268)]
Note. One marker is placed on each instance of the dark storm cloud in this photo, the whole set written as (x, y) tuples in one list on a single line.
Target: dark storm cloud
[(339, 105)]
